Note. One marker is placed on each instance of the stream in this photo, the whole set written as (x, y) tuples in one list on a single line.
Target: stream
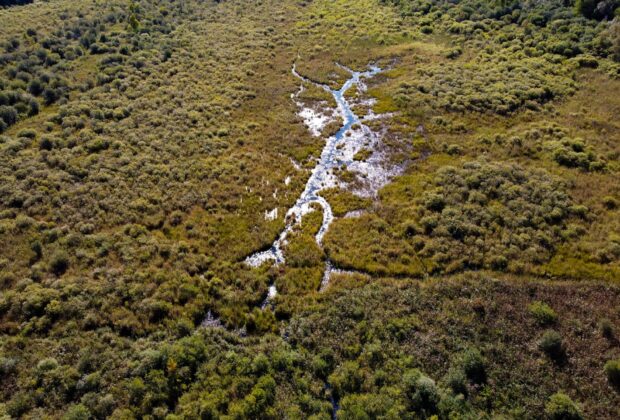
[(320, 178)]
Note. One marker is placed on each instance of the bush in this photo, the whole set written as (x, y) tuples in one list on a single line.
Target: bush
[(612, 370), (454, 149), (561, 407), (551, 344), (8, 114), (7, 366), (457, 381), (47, 364), (46, 143), (77, 412), (59, 263), (29, 134), (610, 202), (543, 313), (426, 396), (19, 404), (474, 366), (607, 328)]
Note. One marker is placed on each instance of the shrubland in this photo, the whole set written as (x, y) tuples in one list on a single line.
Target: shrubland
[(143, 142)]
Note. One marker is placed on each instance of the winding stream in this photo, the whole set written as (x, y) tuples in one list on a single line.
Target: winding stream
[(320, 178)]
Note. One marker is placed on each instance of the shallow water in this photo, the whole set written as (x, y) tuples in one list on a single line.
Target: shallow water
[(321, 176)]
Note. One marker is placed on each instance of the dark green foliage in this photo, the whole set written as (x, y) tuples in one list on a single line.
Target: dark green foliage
[(610, 202), (457, 381), (46, 143), (571, 153), (423, 394), (59, 262), (595, 9), (551, 344), (607, 328), (612, 370), (8, 114), (8, 3), (19, 404), (474, 366), (561, 407), (37, 248)]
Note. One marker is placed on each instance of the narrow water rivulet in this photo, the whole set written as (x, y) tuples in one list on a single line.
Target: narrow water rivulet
[(320, 178)]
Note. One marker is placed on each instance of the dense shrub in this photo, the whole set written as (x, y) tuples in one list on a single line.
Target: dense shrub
[(8, 115), (551, 344), (556, 142), (595, 9), (457, 381), (77, 412), (543, 313), (491, 84), (486, 215), (474, 366), (59, 262), (516, 64), (612, 370), (149, 187), (561, 407), (607, 328)]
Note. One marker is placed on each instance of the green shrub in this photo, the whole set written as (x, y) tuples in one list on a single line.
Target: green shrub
[(607, 328), (7, 366), (457, 381), (474, 366), (47, 364), (561, 407), (59, 262), (19, 404), (612, 370), (551, 344), (543, 313), (8, 114), (426, 395), (454, 149), (457, 213), (77, 412), (610, 202), (29, 134)]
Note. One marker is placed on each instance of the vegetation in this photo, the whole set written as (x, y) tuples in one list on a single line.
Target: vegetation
[(612, 369), (147, 147), (560, 406)]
